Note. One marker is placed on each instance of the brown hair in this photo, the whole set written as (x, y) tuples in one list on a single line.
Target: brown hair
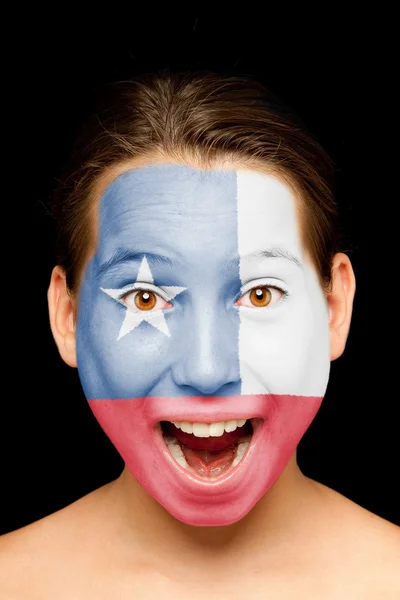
[(201, 117)]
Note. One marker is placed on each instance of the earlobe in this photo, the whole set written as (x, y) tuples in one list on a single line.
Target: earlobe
[(62, 316), (340, 303)]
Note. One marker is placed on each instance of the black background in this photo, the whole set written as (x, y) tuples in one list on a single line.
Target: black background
[(337, 76)]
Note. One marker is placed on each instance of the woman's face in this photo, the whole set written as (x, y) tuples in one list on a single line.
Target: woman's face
[(202, 335)]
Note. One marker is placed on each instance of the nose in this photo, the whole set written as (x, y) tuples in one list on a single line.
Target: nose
[(208, 362)]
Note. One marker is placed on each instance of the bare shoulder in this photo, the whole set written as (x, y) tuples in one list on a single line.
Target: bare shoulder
[(364, 547), (360, 523), (36, 558)]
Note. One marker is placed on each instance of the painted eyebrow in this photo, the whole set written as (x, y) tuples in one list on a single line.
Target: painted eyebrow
[(273, 253), (124, 255)]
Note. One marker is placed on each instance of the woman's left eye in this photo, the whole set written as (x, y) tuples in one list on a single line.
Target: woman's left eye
[(144, 300), (260, 297)]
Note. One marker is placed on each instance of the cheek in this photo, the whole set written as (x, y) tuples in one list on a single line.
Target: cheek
[(116, 368), (286, 352)]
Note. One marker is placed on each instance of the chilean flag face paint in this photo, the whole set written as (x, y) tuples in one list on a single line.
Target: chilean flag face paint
[(201, 306)]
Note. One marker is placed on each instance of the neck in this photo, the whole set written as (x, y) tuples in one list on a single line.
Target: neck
[(272, 523)]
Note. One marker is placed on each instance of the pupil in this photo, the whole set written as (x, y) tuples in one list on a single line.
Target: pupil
[(260, 297), (145, 300)]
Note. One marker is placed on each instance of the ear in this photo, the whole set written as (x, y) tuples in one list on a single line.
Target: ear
[(62, 316), (340, 303)]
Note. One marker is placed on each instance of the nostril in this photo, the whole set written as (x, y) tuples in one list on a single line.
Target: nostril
[(221, 380), (211, 388)]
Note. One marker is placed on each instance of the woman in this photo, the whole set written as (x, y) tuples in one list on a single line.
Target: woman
[(201, 293)]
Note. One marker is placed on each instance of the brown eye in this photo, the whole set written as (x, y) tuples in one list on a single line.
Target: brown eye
[(260, 296), (144, 300)]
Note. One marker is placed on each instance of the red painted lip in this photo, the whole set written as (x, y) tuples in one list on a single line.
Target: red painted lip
[(190, 476), (210, 409)]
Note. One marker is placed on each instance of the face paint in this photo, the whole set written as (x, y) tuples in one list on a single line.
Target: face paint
[(200, 307)]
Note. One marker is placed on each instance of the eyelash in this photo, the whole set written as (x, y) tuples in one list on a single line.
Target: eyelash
[(145, 287)]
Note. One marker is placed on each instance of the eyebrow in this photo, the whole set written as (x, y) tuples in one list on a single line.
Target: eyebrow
[(273, 253), (124, 255)]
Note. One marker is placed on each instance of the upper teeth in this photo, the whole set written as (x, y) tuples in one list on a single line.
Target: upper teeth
[(209, 429)]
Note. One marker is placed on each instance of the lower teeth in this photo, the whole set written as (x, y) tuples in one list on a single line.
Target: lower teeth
[(176, 451), (241, 449)]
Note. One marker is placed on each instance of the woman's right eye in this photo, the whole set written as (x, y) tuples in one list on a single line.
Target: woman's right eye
[(144, 300)]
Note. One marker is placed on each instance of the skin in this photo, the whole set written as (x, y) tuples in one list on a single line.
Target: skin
[(301, 540)]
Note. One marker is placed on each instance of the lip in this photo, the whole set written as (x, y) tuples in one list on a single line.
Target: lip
[(211, 409), (197, 410), (184, 473)]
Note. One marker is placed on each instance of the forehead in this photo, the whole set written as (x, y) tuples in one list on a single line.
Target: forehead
[(170, 207)]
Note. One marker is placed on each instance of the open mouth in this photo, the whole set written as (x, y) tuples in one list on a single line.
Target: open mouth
[(209, 450)]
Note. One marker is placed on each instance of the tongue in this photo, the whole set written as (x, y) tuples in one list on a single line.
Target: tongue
[(209, 464), (210, 456)]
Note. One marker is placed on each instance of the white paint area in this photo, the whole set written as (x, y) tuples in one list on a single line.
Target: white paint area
[(283, 348)]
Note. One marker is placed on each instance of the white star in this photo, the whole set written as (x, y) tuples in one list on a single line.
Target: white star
[(154, 317)]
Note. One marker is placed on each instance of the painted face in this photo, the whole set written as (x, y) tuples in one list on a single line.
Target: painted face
[(202, 335)]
